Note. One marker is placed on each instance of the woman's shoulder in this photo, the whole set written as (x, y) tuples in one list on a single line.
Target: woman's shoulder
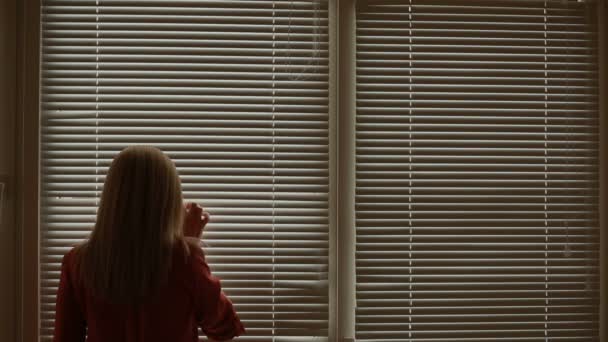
[(70, 265), (69, 258), (187, 260)]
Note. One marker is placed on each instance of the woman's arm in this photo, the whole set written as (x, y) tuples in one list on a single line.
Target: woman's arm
[(70, 324), (215, 313)]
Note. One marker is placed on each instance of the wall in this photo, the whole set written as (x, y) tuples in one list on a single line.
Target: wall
[(8, 241)]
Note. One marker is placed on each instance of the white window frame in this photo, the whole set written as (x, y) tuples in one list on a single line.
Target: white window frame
[(342, 169)]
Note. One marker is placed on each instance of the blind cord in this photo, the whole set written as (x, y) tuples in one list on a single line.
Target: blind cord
[(546, 317), (273, 100), (97, 193), (590, 218), (569, 155)]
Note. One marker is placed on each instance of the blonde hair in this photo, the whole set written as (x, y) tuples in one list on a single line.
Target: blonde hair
[(139, 222)]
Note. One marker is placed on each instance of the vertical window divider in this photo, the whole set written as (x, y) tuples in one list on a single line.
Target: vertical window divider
[(346, 150)]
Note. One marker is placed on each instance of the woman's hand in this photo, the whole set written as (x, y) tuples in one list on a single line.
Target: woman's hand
[(195, 220)]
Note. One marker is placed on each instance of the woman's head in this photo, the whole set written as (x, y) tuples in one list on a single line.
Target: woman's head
[(138, 222), (142, 197)]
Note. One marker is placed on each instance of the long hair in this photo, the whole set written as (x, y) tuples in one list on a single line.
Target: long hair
[(128, 255)]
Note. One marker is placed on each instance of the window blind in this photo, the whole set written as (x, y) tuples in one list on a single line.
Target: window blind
[(476, 171), (236, 93)]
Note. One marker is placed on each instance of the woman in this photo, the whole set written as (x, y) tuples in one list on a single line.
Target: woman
[(141, 276)]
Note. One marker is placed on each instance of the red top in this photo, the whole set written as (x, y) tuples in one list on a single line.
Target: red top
[(192, 298)]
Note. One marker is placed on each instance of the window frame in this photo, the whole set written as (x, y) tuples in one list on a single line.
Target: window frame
[(28, 161), (346, 169), (342, 92)]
